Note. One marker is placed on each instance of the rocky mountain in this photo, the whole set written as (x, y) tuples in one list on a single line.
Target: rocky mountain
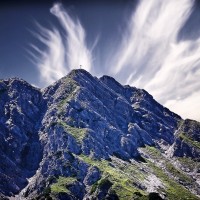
[(89, 138)]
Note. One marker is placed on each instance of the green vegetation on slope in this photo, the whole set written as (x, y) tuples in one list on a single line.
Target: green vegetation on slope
[(189, 163), (178, 173), (122, 182), (173, 189), (71, 88), (169, 174), (61, 184), (154, 152), (77, 133), (188, 140)]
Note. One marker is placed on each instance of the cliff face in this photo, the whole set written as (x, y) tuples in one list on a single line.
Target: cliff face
[(21, 108), (90, 138)]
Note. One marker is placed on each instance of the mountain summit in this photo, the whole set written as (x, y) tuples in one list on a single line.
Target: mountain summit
[(90, 138)]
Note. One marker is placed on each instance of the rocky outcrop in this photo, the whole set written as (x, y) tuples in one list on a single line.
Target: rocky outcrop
[(187, 142), (90, 138), (20, 150)]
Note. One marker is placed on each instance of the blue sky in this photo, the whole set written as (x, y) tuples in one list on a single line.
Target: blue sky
[(151, 44), (102, 21)]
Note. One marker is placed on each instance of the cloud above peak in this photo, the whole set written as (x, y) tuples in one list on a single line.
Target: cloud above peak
[(151, 30), (148, 56), (151, 57), (64, 50), (78, 53)]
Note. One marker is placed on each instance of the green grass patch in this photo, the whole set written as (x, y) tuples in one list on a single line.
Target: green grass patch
[(71, 87), (94, 187), (61, 185), (100, 184), (189, 163), (178, 173), (173, 189), (78, 133), (128, 168), (122, 181), (153, 151), (188, 140)]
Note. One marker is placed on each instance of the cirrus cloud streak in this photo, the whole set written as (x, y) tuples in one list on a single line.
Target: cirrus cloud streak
[(150, 55), (65, 50)]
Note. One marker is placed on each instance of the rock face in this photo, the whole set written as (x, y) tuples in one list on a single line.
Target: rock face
[(90, 138), (21, 108)]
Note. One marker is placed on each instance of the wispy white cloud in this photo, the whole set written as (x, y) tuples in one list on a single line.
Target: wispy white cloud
[(188, 107), (151, 57), (51, 62), (151, 30), (64, 51), (77, 51), (179, 75)]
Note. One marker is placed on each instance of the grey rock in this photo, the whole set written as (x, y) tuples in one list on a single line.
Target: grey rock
[(93, 175)]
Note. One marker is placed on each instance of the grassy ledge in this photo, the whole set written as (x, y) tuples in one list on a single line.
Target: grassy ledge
[(173, 189), (188, 140), (78, 133), (179, 174), (189, 163), (61, 185), (71, 88), (122, 182)]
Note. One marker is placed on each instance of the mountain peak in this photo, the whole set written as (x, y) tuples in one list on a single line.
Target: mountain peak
[(78, 72), (90, 138)]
